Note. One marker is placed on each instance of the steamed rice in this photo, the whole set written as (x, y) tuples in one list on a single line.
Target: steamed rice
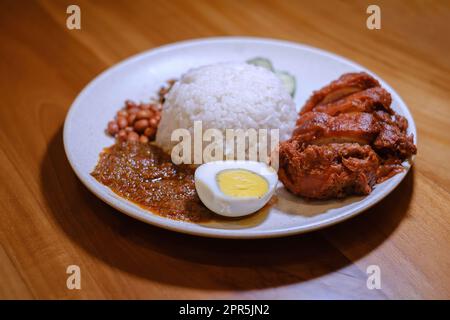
[(227, 96)]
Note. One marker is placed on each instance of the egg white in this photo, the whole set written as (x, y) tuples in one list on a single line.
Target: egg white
[(214, 199)]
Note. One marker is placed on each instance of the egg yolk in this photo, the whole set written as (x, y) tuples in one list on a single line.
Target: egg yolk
[(241, 183)]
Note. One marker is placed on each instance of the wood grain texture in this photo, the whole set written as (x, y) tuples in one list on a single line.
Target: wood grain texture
[(49, 220)]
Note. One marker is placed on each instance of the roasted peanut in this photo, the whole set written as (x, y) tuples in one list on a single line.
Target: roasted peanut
[(122, 122), (133, 110), (153, 122), (152, 112), (122, 113), (136, 122), (122, 135), (149, 132), (132, 136), (131, 118), (130, 104), (143, 139), (143, 114), (113, 128), (141, 125)]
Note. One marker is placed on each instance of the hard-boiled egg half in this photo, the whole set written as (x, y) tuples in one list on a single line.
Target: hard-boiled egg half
[(235, 188)]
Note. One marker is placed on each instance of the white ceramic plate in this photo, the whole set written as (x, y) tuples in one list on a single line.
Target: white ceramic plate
[(140, 76)]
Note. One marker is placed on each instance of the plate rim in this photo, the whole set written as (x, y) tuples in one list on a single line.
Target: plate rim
[(186, 227)]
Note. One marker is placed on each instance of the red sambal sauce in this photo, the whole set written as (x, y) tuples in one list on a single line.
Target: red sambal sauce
[(145, 175)]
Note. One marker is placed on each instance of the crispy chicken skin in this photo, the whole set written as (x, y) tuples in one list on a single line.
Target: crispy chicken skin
[(393, 139), (385, 133), (347, 139), (346, 85), (368, 100), (321, 128), (327, 171)]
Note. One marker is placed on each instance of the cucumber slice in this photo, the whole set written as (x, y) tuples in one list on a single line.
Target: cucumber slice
[(261, 62), (288, 81)]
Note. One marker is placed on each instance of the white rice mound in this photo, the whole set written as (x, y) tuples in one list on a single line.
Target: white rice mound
[(227, 96)]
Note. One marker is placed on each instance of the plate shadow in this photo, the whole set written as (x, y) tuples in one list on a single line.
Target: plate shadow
[(195, 262)]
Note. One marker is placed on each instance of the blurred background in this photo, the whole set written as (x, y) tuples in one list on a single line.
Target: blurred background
[(50, 221)]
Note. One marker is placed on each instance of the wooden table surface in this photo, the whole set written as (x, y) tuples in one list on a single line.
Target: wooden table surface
[(49, 220)]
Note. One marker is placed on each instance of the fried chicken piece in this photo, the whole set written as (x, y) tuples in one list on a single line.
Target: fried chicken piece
[(387, 134), (368, 100), (393, 139), (347, 139), (327, 171), (321, 128), (347, 84), (388, 168)]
